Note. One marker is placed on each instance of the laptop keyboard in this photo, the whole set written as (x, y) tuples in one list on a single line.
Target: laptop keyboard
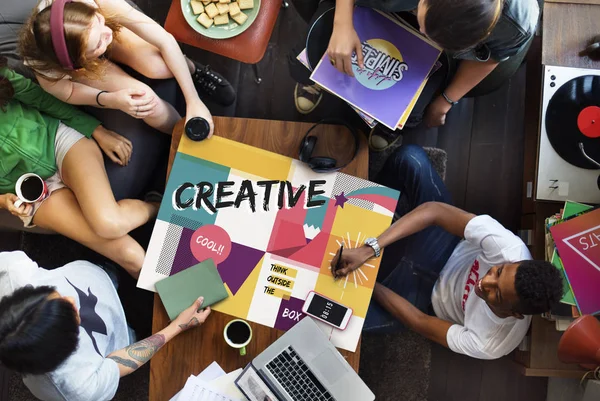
[(296, 378)]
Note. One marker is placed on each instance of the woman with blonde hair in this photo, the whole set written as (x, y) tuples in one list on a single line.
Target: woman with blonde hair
[(73, 48)]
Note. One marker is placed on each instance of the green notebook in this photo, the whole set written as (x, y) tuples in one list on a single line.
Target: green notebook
[(180, 291)]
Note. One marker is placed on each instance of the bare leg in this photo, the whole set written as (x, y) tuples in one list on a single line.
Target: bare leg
[(62, 214), (84, 173), (114, 78), (142, 56)]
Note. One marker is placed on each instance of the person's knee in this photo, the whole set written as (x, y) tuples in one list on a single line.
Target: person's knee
[(154, 67), (108, 225), (131, 258), (411, 157)]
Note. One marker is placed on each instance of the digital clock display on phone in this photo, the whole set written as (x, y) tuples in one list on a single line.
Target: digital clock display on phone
[(327, 310)]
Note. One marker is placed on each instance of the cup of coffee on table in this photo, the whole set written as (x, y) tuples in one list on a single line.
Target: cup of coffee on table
[(238, 334), (30, 188)]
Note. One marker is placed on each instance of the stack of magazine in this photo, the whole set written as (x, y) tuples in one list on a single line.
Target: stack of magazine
[(398, 60)]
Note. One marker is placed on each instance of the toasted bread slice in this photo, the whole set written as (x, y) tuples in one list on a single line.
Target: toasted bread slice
[(234, 9), (197, 7), (240, 18), (211, 10), (222, 19), (246, 4), (205, 20), (223, 8)]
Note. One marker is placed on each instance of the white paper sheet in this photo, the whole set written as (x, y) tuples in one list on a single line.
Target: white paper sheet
[(226, 385), (212, 384), (212, 372)]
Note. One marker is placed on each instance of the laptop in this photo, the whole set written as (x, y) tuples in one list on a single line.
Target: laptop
[(302, 365)]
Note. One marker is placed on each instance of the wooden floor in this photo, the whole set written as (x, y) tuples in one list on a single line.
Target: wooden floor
[(484, 141)]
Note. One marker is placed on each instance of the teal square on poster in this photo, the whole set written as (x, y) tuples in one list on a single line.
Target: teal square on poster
[(189, 169)]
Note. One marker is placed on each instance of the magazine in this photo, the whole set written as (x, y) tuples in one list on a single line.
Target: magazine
[(397, 62)]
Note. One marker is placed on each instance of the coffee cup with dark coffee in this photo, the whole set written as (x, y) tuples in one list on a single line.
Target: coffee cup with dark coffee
[(30, 188), (238, 334)]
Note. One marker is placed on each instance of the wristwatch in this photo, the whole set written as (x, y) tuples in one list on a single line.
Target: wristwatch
[(372, 242)]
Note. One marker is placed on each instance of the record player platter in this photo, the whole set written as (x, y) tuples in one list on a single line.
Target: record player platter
[(573, 121)]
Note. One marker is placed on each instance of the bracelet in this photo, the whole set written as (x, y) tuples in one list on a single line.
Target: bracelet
[(98, 98), (452, 102)]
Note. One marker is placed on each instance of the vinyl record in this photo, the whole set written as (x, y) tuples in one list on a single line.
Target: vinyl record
[(573, 121)]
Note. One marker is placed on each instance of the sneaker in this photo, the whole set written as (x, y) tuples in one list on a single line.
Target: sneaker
[(307, 97), (213, 84), (382, 138)]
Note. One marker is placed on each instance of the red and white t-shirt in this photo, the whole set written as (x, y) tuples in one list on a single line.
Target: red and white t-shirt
[(477, 331)]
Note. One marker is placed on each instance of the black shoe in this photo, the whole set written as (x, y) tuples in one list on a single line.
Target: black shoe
[(213, 84)]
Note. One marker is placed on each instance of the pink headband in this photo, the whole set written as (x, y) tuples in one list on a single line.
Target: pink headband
[(57, 32)]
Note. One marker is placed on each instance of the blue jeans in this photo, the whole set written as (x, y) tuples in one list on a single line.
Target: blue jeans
[(411, 266)]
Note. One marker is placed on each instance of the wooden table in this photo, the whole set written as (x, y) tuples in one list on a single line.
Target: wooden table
[(192, 351), (567, 28)]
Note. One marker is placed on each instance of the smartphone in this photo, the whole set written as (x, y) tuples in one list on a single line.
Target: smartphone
[(327, 310)]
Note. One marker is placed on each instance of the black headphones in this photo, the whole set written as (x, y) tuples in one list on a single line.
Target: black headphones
[(323, 164)]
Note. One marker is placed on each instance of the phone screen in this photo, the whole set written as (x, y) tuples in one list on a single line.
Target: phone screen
[(327, 310)]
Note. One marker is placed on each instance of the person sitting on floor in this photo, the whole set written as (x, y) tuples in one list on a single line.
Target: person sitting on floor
[(64, 330), (480, 33), (63, 145), (73, 48), (483, 288)]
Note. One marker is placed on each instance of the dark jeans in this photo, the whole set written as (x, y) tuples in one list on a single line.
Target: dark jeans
[(410, 266)]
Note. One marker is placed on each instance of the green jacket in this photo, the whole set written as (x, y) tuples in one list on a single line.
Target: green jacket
[(28, 127)]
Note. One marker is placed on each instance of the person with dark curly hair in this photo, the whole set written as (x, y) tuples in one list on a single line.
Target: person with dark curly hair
[(461, 280)]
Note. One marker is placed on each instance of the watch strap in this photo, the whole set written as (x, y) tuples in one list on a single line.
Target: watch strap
[(372, 242), (452, 102)]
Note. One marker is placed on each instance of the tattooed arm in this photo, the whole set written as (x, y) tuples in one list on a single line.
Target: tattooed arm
[(130, 358)]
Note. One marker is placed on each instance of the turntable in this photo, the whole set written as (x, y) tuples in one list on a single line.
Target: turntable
[(569, 152)]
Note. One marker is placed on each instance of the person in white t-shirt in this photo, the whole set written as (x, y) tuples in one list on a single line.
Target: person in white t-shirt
[(476, 276), (64, 330)]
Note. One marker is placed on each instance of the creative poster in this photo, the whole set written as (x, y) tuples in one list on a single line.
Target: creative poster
[(578, 244), (397, 62), (272, 226)]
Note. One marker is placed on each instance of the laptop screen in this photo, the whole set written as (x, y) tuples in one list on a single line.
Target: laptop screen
[(253, 387)]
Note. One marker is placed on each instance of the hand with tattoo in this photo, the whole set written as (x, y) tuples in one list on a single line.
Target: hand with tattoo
[(193, 316), (130, 358)]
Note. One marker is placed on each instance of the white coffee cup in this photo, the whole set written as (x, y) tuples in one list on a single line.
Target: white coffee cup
[(30, 188)]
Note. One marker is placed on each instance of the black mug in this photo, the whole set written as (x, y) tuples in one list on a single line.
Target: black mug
[(197, 129)]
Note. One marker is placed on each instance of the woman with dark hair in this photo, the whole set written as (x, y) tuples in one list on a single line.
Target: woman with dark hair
[(479, 33), (73, 48), (64, 330), (42, 135)]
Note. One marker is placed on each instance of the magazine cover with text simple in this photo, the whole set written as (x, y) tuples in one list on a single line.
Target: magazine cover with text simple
[(272, 227), (397, 61)]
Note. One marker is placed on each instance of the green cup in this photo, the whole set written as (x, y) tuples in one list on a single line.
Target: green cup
[(238, 334)]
